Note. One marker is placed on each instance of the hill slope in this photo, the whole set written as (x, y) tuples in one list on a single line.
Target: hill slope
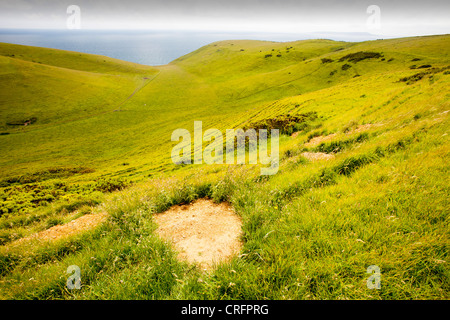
[(74, 126)]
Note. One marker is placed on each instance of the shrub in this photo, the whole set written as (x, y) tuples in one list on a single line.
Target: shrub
[(361, 55), (287, 124), (110, 185), (418, 76), (414, 78), (326, 60), (22, 122), (346, 67)]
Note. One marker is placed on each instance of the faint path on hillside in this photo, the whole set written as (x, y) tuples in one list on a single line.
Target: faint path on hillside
[(137, 90), (116, 108)]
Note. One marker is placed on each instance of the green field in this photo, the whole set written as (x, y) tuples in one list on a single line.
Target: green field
[(82, 133)]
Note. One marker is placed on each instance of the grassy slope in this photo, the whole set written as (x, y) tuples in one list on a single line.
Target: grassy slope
[(311, 231), (205, 85)]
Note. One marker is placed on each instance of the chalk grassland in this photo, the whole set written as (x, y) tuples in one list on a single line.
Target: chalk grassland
[(82, 134)]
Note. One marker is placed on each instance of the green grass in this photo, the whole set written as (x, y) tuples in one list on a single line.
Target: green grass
[(309, 232)]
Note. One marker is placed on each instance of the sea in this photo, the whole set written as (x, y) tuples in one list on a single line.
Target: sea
[(149, 47)]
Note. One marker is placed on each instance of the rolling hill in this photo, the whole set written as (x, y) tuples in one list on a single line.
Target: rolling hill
[(362, 178)]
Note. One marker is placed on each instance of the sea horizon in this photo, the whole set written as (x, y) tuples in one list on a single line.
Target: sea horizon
[(152, 47)]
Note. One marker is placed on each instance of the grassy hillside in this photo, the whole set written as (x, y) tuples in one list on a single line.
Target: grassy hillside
[(83, 133)]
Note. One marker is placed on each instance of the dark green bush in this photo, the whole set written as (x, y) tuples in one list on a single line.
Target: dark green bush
[(361, 55), (287, 124), (414, 78), (326, 60), (346, 67)]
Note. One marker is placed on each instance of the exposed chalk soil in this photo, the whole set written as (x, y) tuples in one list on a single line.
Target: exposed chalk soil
[(202, 232), (318, 140), (83, 223), (313, 156)]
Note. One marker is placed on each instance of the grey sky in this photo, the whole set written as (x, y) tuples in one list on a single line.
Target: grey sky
[(398, 18)]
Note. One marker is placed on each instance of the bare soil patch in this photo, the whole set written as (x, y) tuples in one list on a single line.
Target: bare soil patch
[(71, 228), (361, 128), (202, 232), (295, 134), (313, 156), (317, 140)]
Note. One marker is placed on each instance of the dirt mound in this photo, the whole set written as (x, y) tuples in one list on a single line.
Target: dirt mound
[(202, 232)]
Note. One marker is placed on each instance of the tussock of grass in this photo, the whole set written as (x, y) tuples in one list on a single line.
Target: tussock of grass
[(339, 145)]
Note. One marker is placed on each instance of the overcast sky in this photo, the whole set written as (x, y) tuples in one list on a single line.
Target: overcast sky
[(397, 18)]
